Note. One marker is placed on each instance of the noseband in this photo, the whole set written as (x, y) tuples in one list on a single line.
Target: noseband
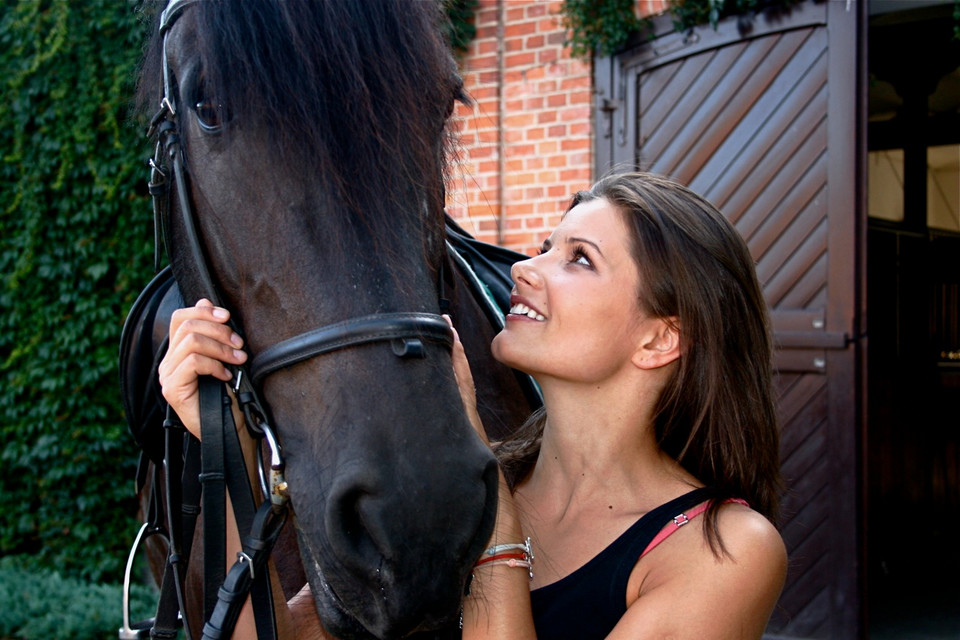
[(406, 332)]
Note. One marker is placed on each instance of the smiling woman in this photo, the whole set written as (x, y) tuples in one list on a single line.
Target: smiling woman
[(644, 324)]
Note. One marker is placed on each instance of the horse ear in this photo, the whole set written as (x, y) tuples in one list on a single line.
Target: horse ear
[(658, 344)]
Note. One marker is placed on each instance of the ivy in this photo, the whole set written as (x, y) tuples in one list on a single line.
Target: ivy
[(75, 243), (462, 28), (603, 27), (599, 26)]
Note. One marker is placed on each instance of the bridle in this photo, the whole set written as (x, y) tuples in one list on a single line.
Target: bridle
[(405, 331)]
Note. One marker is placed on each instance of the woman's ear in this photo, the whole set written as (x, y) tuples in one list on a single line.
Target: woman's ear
[(659, 343)]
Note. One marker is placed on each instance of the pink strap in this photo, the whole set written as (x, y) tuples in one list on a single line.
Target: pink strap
[(681, 519)]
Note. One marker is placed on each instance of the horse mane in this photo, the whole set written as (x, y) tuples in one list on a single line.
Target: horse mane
[(353, 94)]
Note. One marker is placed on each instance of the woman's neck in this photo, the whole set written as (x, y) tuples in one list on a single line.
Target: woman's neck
[(599, 448)]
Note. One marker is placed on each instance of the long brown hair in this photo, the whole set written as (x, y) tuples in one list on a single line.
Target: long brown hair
[(717, 414)]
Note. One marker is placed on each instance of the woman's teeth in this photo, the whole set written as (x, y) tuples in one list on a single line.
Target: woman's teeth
[(524, 310)]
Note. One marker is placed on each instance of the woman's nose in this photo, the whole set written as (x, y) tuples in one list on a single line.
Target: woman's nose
[(526, 271)]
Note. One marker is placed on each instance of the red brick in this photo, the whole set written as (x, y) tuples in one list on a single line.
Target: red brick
[(484, 47), (521, 119), (548, 146), (512, 136), (575, 144), (536, 162), (484, 62), (483, 93), (519, 29), (546, 116), (575, 174), (485, 30), (534, 193), (557, 100), (575, 113), (520, 150), (536, 9), (547, 56), (534, 73), (557, 131), (515, 14), (533, 104), (575, 82), (580, 128)]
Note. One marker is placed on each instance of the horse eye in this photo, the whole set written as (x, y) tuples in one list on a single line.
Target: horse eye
[(211, 115)]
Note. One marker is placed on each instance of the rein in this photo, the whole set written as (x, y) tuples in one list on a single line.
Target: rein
[(193, 486)]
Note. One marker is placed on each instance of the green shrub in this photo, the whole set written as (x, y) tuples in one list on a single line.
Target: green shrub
[(43, 605)]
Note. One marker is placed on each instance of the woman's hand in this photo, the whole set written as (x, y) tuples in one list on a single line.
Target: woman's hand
[(200, 344), (468, 391)]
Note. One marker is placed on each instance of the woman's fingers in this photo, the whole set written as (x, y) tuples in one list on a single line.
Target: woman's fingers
[(468, 392), (206, 320), (200, 344)]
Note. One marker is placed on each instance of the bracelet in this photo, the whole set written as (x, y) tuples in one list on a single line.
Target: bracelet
[(513, 562), (525, 547), (502, 556), (521, 556)]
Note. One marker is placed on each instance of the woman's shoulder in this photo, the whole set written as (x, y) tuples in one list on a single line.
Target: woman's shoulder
[(745, 538), (726, 592), (751, 545)]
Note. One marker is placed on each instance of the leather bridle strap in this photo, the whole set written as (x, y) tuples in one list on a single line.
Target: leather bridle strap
[(404, 330), (225, 468), (214, 481)]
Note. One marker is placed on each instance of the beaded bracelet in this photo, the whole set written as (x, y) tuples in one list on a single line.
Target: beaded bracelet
[(512, 562)]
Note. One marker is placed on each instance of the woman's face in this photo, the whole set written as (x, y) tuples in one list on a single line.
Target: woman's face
[(574, 310)]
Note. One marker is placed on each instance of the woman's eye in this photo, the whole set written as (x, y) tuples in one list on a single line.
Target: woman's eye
[(580, 257)]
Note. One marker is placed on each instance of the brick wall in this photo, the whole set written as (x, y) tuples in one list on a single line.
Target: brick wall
[(526, 143)]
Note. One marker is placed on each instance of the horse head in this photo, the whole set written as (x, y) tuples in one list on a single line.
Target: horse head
[(312, 138)]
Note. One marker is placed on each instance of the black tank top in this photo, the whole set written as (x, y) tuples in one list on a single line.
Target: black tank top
[(589, 602)]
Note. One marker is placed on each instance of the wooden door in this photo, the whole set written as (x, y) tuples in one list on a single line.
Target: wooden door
[(765, 124)]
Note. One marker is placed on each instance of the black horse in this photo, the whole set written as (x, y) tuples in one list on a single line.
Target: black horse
[(313, 146)]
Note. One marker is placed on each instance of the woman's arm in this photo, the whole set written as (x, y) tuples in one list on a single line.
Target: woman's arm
[(498, 605)]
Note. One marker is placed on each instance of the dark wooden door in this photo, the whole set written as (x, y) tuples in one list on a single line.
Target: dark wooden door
[(765, 124)]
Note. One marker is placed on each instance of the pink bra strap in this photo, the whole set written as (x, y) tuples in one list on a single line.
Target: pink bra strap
[(681, 519)]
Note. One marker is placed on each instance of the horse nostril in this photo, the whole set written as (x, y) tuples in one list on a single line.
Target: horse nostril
[(349, 534)]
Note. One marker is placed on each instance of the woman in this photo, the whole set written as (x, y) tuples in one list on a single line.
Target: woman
[(644, 324)]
